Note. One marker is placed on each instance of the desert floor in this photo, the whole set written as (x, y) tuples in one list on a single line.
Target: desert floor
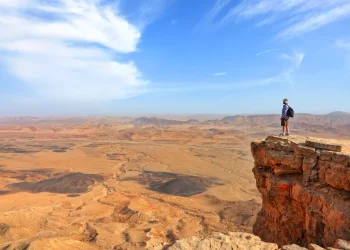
[(116, 185)]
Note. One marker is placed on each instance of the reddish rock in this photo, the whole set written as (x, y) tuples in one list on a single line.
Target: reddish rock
[(334, 174), (305, 192), (277, 155)]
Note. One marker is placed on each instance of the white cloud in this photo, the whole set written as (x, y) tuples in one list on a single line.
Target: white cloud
[(266, 51), (316, 21), (213, 13), (218, 7), (13, 3), (249, 9), (71, 55), (147, 11), (297, 16), (220, 74)]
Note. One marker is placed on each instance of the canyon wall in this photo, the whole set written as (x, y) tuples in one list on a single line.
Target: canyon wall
[(305, 186)]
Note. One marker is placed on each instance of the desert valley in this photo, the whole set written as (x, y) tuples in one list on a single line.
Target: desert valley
[(134, 183)]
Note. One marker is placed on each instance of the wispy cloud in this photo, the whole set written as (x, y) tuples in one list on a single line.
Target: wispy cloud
[(316, 21), (214, 12), (147, 11), (218, 7), (220, 74), (295, 17), (266, 51), (68, 49), (296, 58)]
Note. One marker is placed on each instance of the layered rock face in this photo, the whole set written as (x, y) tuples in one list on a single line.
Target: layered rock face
[(305, 186)]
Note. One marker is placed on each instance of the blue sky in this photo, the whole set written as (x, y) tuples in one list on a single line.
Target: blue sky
[(67, 57)]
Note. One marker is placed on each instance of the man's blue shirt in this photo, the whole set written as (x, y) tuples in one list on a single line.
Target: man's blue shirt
[(284, 111)]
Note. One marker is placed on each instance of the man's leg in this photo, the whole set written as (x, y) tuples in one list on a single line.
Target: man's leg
[(283, 125), (287, 129)]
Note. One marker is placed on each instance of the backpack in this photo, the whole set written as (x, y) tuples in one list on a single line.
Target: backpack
[(290, 112)]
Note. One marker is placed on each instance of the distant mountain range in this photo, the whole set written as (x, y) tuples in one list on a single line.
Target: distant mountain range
[(160, 121), (331, 120), (334, 119)]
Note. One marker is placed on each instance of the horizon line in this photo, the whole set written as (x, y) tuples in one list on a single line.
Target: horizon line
[(148, 115)]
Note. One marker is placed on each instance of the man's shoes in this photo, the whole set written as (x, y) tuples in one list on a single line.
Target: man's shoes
[(287, 134), (282, 134)]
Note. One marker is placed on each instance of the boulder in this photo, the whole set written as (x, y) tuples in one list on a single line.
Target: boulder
[(220, 241), (323, 144), (293, 247), (315, 247), (342, 244)]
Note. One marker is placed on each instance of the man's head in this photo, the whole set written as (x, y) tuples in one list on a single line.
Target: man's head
[(285, 101)]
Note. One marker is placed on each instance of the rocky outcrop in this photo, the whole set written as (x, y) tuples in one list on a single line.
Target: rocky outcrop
[(237, 241), (242, 241), (305, 189)]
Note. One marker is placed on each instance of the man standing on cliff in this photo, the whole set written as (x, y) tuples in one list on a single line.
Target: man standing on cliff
[(285, 118)]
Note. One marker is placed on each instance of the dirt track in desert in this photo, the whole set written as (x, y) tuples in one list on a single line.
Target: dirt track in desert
[(113, 184)]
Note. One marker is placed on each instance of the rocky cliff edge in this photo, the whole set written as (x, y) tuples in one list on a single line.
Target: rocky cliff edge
[(305, 186)]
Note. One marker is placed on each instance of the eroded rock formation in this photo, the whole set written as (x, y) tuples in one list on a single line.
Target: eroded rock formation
[(238, 241), (220, 241), (305, 188)]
